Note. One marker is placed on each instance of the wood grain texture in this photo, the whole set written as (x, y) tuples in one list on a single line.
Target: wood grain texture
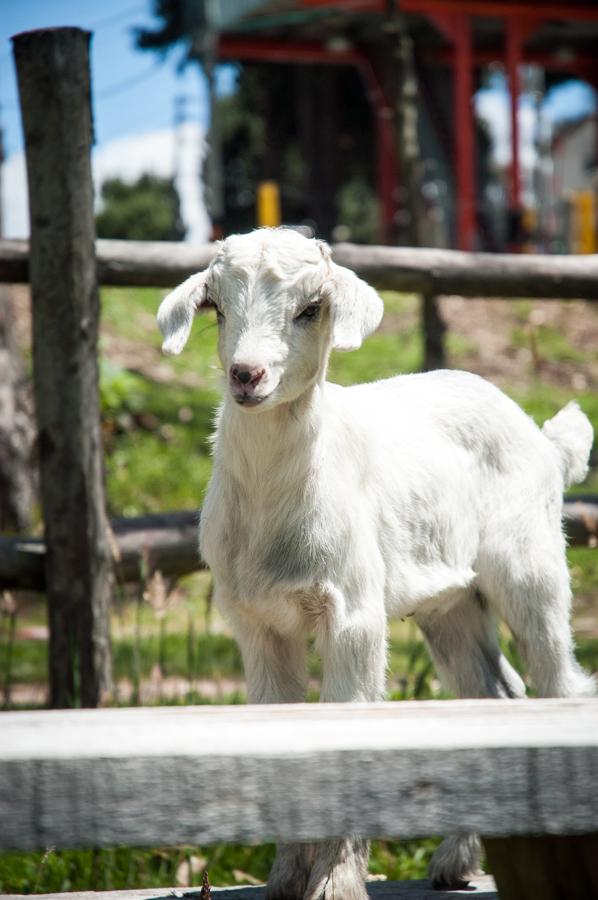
[(413, 269), (482, 888), (54, 92), (163, 776)]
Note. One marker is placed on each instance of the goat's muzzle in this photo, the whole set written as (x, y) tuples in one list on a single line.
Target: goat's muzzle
[(244, 380)]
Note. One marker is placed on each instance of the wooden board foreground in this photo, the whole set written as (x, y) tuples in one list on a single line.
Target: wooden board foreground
[(482, 888), (169, 776)]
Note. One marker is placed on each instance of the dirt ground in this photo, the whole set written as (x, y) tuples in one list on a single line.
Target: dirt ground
[(507, 341), (489, 327)]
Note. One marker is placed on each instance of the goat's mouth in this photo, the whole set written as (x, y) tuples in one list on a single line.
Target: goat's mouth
[(249, 400)]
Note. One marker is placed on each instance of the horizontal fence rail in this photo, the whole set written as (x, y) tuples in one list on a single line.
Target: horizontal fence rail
[(164, 776), (167, 542), (420, 270)]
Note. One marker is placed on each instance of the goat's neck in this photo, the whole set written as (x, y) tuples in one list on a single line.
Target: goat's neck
[(257, 446)]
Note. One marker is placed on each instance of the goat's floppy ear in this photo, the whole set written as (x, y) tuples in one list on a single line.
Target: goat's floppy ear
[(356, 309), (177, 310)]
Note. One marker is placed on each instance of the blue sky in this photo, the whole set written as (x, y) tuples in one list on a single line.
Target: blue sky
[(133, 91), (133, 103)]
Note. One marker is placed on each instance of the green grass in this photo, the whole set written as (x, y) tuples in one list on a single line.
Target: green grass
[(157, 434), (549, 343), (126, 867)]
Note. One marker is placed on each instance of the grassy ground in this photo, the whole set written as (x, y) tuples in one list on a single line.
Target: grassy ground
[(102, 870), (157, 417)]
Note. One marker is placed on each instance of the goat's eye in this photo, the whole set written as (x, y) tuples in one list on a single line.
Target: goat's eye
[(310, 312)]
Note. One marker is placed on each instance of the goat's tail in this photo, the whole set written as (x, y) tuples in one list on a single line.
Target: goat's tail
[(572, 435)]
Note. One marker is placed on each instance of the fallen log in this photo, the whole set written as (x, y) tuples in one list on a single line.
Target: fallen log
[(413, 269), (168, 542)]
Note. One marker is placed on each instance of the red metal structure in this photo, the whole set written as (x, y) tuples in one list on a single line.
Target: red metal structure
[(461, 34)]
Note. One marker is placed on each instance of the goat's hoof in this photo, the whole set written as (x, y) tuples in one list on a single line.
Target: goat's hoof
[(327, 891), (455, 862), (439, 884), (289, 891)]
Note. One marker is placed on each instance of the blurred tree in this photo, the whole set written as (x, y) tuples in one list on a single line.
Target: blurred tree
[(307, 127), (146, 210), (358, 211)]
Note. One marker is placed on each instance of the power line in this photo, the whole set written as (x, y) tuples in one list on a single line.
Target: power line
[(118, 17), (106, 22), (121, 86)]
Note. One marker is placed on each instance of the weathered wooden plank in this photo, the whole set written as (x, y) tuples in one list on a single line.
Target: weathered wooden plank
[(414, 269), (436, 272), (163, 776), (482, 888), (54, 92)]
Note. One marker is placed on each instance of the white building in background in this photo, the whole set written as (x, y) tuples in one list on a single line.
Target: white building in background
[(575, 156), (575, 184), (153, 152)]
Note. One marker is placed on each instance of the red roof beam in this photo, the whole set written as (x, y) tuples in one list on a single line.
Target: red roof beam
[(576, 63), (498, 9), (347, 5), (264, 50)]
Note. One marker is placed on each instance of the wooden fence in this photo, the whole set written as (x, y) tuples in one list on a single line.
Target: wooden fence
[(64, 267), (417, 270), (520, 773)]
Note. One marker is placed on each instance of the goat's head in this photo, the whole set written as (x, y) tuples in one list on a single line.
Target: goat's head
[(281, 304)]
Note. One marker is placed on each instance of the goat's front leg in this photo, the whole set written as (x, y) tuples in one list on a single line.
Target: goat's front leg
[(276, 672), (353, 649), (275, 664)]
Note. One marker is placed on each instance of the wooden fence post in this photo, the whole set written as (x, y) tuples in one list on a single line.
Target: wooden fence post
[(433, 331), (54, 89)]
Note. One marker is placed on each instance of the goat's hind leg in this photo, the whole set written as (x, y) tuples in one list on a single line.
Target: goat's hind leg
[(533, 596), (463, 644)]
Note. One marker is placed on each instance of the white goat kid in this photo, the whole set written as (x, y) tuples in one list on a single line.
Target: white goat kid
[(329, 508)]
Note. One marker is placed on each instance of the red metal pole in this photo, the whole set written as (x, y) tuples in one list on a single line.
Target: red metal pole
[(387, 175), (464, 138), (387, 170), (513, 60)]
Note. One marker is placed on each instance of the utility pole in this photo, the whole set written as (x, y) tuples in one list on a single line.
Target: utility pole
[(201, 20)]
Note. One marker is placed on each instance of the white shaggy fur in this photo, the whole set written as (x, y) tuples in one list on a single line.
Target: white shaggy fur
[(330, 508)]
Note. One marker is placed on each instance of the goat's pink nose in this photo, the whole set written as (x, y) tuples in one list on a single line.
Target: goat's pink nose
[(246, 375)]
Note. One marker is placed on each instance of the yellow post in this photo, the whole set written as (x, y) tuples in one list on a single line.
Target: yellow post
[(585, 222), (268, 204)]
